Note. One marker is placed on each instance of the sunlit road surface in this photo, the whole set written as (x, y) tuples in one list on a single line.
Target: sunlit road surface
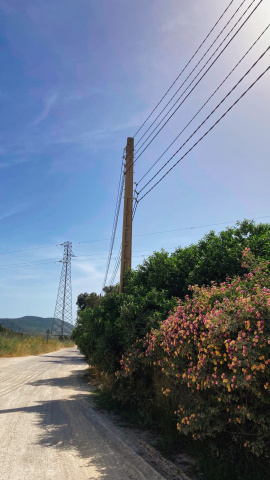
[(48, 429)]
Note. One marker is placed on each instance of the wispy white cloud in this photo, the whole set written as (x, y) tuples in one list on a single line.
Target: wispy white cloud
[(14, 211), (13, 162), (48, 105), (88, 268), (171, 24), (81, 95)]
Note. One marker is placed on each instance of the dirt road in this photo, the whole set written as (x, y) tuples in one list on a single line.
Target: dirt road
[(48, 429)]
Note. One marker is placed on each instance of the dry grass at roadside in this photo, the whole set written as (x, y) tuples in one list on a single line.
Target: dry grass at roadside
[(13, 345)]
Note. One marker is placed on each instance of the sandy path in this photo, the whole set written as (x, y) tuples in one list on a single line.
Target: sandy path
[(48, 429)]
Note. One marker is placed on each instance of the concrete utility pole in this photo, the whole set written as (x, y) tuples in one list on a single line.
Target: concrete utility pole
[(128, 210)]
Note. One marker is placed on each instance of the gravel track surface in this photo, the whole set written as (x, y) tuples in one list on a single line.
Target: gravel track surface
[(49, 430)]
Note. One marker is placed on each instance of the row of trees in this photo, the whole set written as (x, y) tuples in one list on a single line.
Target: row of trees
[(178, 352), (108, 325)]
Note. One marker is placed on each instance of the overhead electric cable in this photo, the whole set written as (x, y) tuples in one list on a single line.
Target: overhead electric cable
[(115, 223), (182, 71), (118, 259), (113, 238), (177, 108), (92, 255), (197, 64), (206, 133), (92, 241), (116, 267), (207, 118), (85, 257), (211, 96), (28, 249), (117, 264), (134, 209), (176, 230), (137, 235), (194, 227), (79, 257), (27, 264)]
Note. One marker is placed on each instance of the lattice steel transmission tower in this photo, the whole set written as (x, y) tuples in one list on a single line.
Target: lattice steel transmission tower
[(62, 322)]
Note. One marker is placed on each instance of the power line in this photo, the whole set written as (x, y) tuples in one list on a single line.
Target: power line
[(93, 241), (211, 96), (116, 217), (206, 133), (117, 265), (43, 262), (177, 108), (113, 235), (207, 118), (79, 257), (28, 264), (203, 75), (136, 235), (197, 64), (26, 249), (118, 258), (194, 227), (52, 245), (92, 255), (182, 71), (125, 249)]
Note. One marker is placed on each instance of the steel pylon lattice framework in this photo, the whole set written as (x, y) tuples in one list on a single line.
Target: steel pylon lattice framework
[(62, 322)]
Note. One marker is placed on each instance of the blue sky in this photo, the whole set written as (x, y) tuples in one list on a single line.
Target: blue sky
[(78, 78)]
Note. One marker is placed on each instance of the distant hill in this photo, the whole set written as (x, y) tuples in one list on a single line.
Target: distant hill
[(29, 324)]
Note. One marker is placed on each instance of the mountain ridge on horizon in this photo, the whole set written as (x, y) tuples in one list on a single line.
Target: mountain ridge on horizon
[(28, 324)]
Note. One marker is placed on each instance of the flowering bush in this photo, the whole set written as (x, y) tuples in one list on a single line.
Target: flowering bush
[(213, 353), (107, 326)]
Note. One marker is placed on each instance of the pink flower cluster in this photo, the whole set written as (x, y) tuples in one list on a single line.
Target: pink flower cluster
[(216, 345)]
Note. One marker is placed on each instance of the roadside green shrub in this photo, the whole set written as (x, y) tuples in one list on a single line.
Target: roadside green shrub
[(214, 258), (105, 332), (108, 326), (213, 353)]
